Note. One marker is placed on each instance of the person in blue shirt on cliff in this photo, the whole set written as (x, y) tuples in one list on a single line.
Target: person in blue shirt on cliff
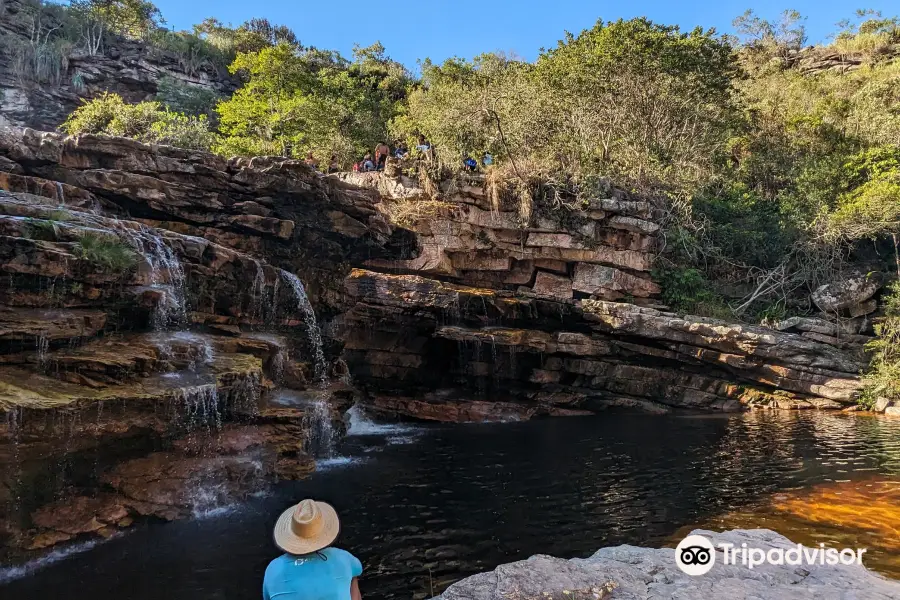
[(311, 569)]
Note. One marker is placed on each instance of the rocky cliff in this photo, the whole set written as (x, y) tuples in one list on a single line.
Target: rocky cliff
[(159, 354), (41, 84), (176, 327), (558, 315)]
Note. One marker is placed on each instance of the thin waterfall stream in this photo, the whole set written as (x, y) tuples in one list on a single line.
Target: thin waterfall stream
[(309, 322)]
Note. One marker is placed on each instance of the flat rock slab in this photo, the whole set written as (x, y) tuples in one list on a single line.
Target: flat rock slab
[(645, 573)]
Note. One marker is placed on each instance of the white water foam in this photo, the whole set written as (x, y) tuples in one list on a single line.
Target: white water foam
[(8, 574), (326, 464), (359, 423)]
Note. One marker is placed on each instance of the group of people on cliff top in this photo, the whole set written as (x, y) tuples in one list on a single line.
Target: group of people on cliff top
[(382, 151), (401, 152)]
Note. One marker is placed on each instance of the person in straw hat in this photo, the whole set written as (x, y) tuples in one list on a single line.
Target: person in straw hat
[(310, 569)]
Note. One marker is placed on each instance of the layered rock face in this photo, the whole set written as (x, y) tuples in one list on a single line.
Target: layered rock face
[(603, 250), (812, 60), (129, 68), (427, 348), (278, 210), (490, 320), (159, 355)]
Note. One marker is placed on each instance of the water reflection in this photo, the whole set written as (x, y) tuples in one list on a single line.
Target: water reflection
[(848, 514), (461, 499)]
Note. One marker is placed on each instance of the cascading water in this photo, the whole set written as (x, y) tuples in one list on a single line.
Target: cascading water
[(200, 349), (244, 396), (277, 365), (13, 422), (166, 271), (42, 346), (171, 310), (309, 321), (262, 303), (201, 407), (320, 429)]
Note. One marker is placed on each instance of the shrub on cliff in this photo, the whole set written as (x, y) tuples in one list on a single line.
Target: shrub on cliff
[(108, 252), (109, 114), (251, 36), (883, 378), (296, 101)]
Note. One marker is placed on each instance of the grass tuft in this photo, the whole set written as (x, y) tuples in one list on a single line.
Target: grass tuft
[(107, 251)]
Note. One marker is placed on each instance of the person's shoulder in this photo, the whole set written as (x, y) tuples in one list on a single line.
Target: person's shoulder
[(277, 562), (341, 554), (353, 563)]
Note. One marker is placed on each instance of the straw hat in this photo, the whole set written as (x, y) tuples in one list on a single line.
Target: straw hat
[(307, 527)]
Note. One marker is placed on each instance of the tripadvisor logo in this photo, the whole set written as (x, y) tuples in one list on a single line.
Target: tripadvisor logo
[(696, 555)]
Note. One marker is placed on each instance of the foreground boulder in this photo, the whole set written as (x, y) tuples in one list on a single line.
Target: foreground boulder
[(644, 573)]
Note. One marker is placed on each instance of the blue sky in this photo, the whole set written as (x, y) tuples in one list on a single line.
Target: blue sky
[(439, 29)]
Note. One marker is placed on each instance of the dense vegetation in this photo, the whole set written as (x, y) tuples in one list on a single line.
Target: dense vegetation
[(774, 179)]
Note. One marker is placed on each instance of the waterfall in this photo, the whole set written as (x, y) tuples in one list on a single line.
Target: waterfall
[(495, 365), (262, 304), (201, 407), (200, 351), (166, 271), (42, 346), (172, 309), (13, 426), (277, 365), (309, 321), (320, 429), (244, 396)]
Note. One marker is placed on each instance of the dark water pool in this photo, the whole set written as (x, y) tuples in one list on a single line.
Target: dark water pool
[(424, 506)]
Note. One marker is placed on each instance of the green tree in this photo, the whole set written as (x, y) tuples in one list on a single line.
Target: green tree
[(252, 36), (298, 101), (642, 102), (871, 209), (788, 33)]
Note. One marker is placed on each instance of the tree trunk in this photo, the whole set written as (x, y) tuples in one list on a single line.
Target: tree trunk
[(896, 253)]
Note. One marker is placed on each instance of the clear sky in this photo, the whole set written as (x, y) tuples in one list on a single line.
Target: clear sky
[(439, 29)]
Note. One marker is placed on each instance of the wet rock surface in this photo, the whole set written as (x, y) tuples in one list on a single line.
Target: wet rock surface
[(313, 225), (632, 572), (151, 307)]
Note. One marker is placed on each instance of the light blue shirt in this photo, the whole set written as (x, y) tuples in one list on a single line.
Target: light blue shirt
[(311, 577)]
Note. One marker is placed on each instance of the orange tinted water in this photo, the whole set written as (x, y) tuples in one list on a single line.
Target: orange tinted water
[(848, 514)]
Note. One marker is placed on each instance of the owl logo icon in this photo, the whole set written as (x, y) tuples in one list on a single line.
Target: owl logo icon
[(695, 555)]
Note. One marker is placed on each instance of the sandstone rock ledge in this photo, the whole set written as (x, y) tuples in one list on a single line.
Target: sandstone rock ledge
[(643, 573)]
